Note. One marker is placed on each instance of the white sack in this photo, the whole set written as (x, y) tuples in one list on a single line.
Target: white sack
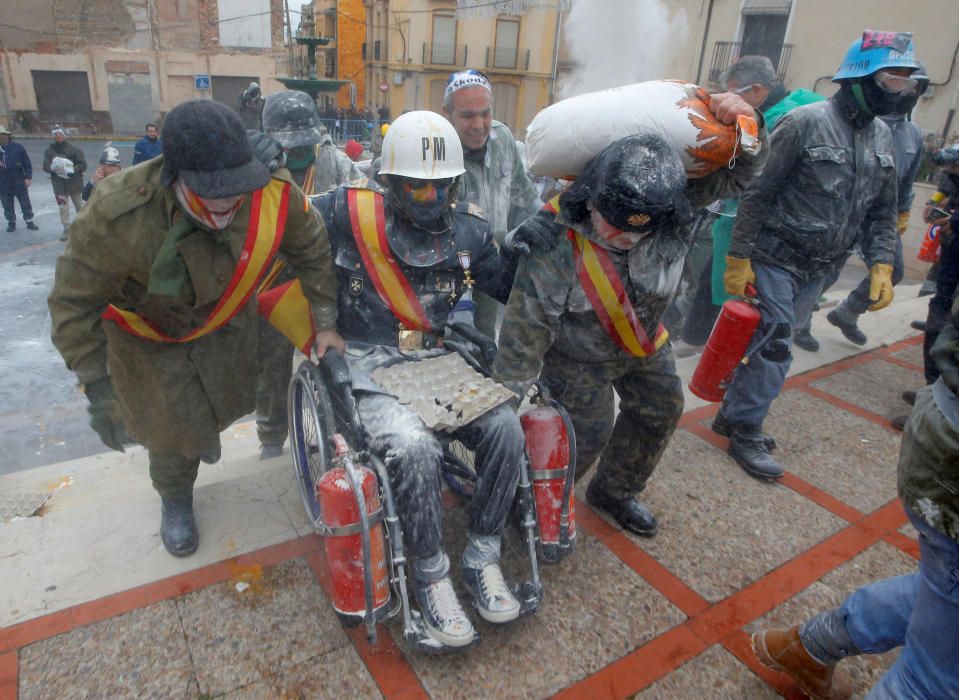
[(565, 136)]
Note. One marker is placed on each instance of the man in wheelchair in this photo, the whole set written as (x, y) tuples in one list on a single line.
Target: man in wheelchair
[(404, 258)]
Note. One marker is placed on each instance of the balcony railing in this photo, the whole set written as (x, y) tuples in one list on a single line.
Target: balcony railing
[(506, 57), (444, 54), (725, 53)]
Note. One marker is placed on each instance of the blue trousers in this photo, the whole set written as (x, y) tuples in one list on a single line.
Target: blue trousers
[(919, 612), (858, 299), (783, 298)]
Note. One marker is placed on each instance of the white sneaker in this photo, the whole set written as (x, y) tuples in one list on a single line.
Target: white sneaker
[(442, 613), (494, 600)]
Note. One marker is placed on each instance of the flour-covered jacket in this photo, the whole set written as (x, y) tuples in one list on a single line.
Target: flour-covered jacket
[(364, 319), (824, 186), (548, 308)]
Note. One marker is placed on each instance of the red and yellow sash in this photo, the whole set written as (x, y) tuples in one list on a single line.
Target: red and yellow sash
[(369, 230), (267, 222), (607, 296)]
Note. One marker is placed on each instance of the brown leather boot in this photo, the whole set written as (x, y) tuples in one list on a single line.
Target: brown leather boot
[(782, 650)]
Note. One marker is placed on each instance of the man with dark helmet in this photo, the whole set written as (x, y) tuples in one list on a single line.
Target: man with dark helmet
[(586, 316), (291, 134), (404, 259), (251, 105), (829, 183), (152, 303)]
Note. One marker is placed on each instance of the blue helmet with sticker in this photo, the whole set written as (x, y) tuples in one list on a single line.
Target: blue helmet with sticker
[(874, 51)]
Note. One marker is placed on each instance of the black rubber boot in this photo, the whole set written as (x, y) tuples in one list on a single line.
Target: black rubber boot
[(32, 226), (909, 397), (899, 422), (11, 227), (806, 341), (919, 325), (846, 322), (750, 452), (628, 512), (721, 426), (177, 526)]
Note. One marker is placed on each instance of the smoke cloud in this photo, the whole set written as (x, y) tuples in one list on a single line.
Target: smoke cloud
[(617, 42)]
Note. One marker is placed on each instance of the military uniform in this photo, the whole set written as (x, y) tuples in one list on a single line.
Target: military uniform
[(496, 181), (433, 266), (552, 330), (176, 397)]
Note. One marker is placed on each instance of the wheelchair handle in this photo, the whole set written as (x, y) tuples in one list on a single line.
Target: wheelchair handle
[(337, 366)]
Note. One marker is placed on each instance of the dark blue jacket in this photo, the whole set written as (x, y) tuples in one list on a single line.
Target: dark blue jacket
[(146, 149), (15, 166)]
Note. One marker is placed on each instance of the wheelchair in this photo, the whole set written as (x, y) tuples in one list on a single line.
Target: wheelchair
[(326, 433)]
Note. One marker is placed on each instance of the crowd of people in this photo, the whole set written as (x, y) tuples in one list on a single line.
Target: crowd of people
[(153, 309)]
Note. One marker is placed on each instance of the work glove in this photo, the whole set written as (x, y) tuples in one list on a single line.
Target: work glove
[(880, 286), (538, 231), (902, 222), (266, 149), (739, 273), (106, 417)]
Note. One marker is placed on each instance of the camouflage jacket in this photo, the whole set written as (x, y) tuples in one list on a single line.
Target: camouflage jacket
[(499, 184), (113, 243), (825, 186), (364, 316), (548, 308)]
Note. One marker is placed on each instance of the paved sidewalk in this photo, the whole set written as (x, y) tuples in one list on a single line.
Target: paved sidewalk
[(91, 606)]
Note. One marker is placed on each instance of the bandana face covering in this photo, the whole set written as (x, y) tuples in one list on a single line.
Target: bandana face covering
[(612, 236), (214, 214)]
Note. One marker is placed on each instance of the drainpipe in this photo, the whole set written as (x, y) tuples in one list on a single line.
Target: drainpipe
[(702, 50), (556, 39)]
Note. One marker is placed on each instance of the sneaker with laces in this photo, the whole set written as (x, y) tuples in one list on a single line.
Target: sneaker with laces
[(442, 613), (494, 600)]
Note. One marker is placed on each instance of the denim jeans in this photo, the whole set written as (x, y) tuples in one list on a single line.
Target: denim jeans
[(783, 297), (919, 612)]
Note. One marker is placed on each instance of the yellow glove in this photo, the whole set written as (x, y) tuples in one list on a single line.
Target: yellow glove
[(739, 273), (902, 222), (880, 286)]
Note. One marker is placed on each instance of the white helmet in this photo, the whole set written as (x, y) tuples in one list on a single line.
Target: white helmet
[(424, 146)]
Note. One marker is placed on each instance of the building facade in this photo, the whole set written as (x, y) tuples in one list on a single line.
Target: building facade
[(344, 21), (412, 46), (111, 66)]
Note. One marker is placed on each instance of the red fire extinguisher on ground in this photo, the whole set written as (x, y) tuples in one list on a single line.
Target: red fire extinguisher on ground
[(343, 540), (551, 448), (726, 347)]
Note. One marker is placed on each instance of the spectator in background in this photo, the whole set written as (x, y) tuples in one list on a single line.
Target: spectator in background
[(251, 106), (16, 174), (150, 146), (65, 163), (109, 164), (333, 167)]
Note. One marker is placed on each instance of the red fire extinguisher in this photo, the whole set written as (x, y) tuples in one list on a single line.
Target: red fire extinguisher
[(929, 250), (548, 443), (726, 347), (344, 544)]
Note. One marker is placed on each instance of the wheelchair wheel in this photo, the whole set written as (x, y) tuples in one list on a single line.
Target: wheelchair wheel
[(311, 433), (458, 469)]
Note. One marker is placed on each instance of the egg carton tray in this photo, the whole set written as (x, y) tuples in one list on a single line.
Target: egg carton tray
[(445, 392)]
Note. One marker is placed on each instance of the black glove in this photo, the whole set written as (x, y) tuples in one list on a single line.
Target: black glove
[(266, 149), (106, 418), (538, 231)]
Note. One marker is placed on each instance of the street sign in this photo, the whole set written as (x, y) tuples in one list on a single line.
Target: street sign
[(384, 86), (201, 82)]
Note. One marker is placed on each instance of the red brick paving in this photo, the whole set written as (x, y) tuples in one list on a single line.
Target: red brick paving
[(722, 622)]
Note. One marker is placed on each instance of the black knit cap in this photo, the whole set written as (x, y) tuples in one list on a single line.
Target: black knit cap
[(205, 144), (637, 183)]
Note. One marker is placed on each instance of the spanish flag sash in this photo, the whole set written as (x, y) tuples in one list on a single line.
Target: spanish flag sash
[(267, 222), (368, 222)]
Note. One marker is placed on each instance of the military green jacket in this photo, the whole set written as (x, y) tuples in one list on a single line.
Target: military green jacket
[(176, 397), (499, 184), (548, 308)]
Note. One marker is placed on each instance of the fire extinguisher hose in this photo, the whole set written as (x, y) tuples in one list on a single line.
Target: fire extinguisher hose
[(766, 337), (570, 472)]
